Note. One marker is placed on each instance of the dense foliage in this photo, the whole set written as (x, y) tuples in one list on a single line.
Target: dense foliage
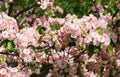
[(60, 38)]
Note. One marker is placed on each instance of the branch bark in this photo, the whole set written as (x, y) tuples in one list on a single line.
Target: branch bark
[(94, 3), (24, 10), (115, 14), (12, 54), (10, 9)]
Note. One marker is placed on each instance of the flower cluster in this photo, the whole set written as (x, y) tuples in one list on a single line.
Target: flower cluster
[(9, 71), (59, 47), (48, 4), (8, 27)]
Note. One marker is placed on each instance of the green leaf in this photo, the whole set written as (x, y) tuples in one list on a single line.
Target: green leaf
[(84, 33), (1, 58), (41, 29), (71, 41), (100, 31), (91, 50), (54, 27), (67, 66), (110, 48), (45, 67), (97, 48), (80, 47), (5, 42), (12, 63), (10, 46), (71, 44), (31, 64), (2, 9), (47, 53), (106, 6), (79, 73)]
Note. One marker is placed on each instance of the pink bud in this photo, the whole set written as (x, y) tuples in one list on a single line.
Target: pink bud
[(11, 0), (118, 6), (38, 3)]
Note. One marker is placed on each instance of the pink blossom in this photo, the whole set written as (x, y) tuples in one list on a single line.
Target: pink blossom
[(38, 2), (9, 28), (107, 39), (118, 63), (1, 4), (26, 37), (53, 47), (73, 29), (44, 5), (15, 70), (11, 0), (102, 23), (26, 51), (46, 24), (56, 20), (88, 39), (118, 6), (69, 17), (91, 74), (107, 18), (3, 71), (37, 22), (60, 10), (27, 58)]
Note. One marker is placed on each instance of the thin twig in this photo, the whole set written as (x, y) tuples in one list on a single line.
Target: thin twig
[(94, 3), (24, 10), (115, 14), (77, 56), (27, 16), (45, 48), (117, 22), (12, 54), (10, 9)]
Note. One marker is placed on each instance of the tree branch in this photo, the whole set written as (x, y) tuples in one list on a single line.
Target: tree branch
[(94, 3), (115, 14), (45, 48), (80, 53), (24, 10), (12, 54), (30, 12), (117, 22), (10, 9)]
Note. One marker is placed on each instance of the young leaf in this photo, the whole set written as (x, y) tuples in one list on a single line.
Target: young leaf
[(67, 66), (84, 33), (80, 47), (110, 48), (41, 29), (91, 50), (97, 48), (1, 58), (10, 46), (5, 42), (100, 31), (54, 27)]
